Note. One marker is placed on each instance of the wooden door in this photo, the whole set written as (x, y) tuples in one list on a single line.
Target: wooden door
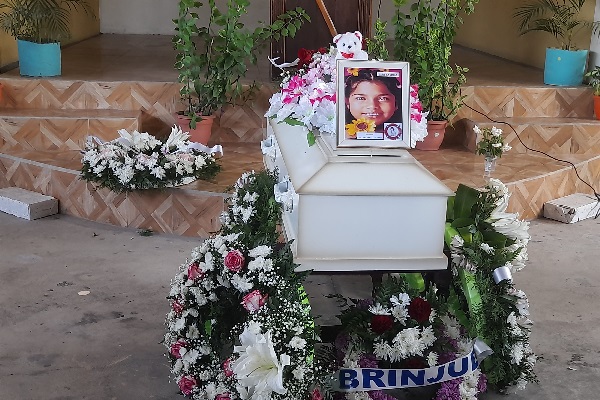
[(347, 16)]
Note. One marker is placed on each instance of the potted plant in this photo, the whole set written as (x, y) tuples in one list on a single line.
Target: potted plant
[(424, 38), (594, 82), (213, 59), (564, 66), (39, 26)]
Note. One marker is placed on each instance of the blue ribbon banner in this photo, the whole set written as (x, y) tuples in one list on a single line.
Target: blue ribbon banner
[(367, 379)]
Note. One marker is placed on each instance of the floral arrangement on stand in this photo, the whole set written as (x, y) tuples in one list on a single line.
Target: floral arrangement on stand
[(308, 97), (138, 160), (225, 336), (487, 245), (491, 143), (405, 326)]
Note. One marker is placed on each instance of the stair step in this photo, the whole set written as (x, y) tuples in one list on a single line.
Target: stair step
[(26, 204), (538, 101), (550, 135), (47, 129)]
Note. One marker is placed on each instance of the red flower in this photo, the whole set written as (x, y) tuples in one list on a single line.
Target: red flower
[(413, 363), (177, 307), (194, 271), (234, 260), (176, 347), (227, 368), (186, 384), (323, 50), (305, 57), (419, 309), (223, 396), (316, 395), (381, 323)]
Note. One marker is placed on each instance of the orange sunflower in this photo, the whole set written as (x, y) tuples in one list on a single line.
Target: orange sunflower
[(360, 125)]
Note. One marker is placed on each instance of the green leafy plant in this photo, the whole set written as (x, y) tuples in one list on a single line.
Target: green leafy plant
[(424, 37), (40, 21), (376, 46), (560, 18), (212, 60), (594, 80)]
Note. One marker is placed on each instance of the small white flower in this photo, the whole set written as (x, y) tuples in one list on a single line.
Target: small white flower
[(487, 248), (260, 251), (378, 309), (432, 359)]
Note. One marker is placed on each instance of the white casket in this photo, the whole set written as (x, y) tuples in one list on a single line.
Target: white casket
[(356, 209)]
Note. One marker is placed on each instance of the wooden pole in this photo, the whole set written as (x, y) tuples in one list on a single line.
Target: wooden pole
[(328, 20)]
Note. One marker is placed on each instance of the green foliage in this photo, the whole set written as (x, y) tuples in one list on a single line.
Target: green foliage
[(40, 21), (213, 59), (376, 46), (424, 37), (594, 80), (560, 18)]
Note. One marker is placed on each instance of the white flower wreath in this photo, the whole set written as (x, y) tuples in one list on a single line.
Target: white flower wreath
[(240, 324)]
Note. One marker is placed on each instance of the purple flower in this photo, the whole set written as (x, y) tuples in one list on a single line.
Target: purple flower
[(364, 304), (367, 361), (449, 390), (482, 383), (380, 395)]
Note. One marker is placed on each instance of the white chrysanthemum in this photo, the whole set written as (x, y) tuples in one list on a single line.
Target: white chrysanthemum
[(432, 359), (250, 197), (517, 352), (297, 343), (199, 296), (383, 350), (402, 300), (378, 309), (192, 332), (260, 251), (257, 264), (241, 283), (189, 358), (468, 386), (428, 336), (477, 130), (451, 327), (298, 373), (432, 315), (400, 314)]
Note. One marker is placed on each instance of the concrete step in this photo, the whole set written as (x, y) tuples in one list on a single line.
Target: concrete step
[(550, 135), (47, 129), (26, 204), (534, 101)]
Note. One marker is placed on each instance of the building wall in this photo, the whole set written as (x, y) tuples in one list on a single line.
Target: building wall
[(82, 27), (155, 16), (492, 29)]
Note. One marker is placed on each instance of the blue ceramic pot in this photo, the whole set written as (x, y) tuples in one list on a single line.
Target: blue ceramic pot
[(564, 67), (38, 59)]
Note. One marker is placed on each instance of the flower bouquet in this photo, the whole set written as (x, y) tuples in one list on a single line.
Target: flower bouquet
[(225, 333), (491, 142), (138, 160)]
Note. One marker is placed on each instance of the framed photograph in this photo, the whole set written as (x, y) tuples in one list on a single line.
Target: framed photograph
[(373, 106)]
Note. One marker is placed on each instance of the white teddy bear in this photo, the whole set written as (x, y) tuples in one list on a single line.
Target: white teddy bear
[(349, 46)]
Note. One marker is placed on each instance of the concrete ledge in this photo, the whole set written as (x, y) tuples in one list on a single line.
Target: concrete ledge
[(572, 208), (25, 204)]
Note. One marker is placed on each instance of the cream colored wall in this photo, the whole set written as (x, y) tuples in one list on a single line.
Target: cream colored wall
[(82, 27), (492, 29)]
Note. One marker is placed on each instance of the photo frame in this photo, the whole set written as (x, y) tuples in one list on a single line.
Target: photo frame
[(373, 106)]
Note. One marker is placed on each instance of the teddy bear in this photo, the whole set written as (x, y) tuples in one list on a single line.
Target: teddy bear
[(349, 46)]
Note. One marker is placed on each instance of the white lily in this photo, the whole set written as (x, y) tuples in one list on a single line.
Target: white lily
[(258, 368)]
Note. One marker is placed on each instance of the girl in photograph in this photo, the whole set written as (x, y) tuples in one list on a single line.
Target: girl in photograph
[(373, 104)]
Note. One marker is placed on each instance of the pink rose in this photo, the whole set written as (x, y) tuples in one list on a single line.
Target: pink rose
[(186, 384), (234, 260), (223, 396), (194, 271), (227, 368), (176, 347), (316, 395), (177, 307), (254, 300)]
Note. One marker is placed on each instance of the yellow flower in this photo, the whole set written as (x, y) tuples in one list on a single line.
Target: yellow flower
[(352, 71), (360, 125)]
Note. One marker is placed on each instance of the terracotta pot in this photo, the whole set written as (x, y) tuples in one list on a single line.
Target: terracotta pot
[(435, 136), (203, 128), (597, 106)]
